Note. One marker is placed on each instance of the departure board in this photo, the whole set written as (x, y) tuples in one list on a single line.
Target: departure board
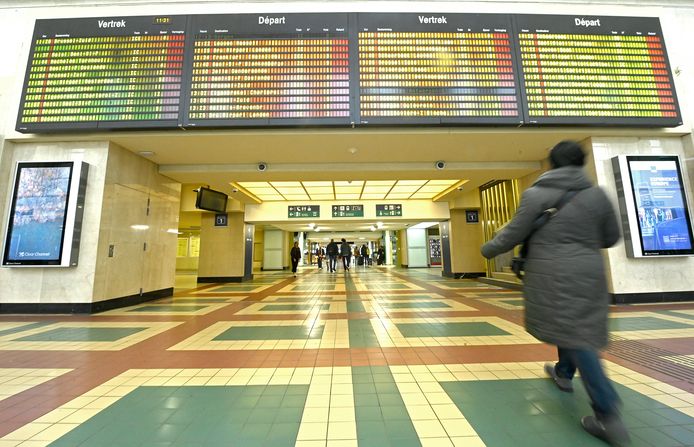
[(596, 71), (277, 69), (436, 68), (122, 72)]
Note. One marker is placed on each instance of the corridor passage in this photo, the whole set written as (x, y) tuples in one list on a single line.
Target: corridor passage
[(372, 357)]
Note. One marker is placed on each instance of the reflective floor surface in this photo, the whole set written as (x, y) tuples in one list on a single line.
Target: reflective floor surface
[(372, 357)]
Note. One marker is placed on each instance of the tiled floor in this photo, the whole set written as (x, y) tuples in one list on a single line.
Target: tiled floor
[(376, 357)]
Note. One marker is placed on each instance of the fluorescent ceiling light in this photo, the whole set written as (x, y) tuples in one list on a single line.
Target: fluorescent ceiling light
[(411, 182)]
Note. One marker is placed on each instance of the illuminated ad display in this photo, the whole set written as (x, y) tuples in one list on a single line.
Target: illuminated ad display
[(122, 72), (278, 69), (436, 68), (46, 214), (596, 71)]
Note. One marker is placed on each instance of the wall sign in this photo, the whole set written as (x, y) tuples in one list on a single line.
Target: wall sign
[(303, 211), (389, 210), (348, 210)]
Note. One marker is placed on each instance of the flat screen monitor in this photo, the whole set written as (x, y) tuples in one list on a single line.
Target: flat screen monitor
[(45, 218), (211, 200), (653, 205)]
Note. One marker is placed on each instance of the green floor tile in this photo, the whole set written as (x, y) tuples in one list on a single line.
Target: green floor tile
[(25, 327), (471, 329), (239, 288), (517, 303), (355, 306), (271, 333), (645, 324), (361, 334), (524, 407), (212, 418), (295, 307), (172, 309), (422, 305), (84, 334), (200, 300)]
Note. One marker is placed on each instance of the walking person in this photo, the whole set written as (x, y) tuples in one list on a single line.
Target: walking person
[(319, 255), (346, 254), (565, 290), (365, 255), (295, 254), (331, 250)]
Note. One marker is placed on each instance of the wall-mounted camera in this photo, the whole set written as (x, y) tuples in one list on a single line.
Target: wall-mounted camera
[(440, 164), (234, 190), (262, 166)]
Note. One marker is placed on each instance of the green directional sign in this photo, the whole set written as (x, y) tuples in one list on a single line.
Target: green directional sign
[(389, 210), (348, 210), (303, 211)]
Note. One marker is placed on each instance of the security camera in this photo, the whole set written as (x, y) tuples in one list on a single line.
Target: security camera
[(234, 190), (262, 166), (440, 164)]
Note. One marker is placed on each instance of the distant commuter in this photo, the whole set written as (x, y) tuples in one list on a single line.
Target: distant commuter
[(346, 254), (295, 254), (319, 255), (365, 255), (566, 298), (331, 250)]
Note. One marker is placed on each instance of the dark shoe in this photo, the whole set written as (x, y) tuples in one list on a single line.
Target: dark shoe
[(562, 383), (610, 429)]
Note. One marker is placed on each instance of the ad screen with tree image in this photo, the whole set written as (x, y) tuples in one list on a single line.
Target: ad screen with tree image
[(663, 217), (37, 219)]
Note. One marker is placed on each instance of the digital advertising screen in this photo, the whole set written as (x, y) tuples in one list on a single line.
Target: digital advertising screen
[(45, 214), (595, 70), (103, 73), (663, 217), (436, 69), (276, 69)]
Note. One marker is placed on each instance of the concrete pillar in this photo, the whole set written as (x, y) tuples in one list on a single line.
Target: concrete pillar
[(389, 247), (222, 249), (465, 238)]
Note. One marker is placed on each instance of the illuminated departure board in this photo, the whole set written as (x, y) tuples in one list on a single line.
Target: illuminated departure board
[(436, 68), (277, 69), (122, 72), (596, 70)]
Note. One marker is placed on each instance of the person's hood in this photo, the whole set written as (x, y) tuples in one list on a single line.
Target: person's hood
[(566, 177)]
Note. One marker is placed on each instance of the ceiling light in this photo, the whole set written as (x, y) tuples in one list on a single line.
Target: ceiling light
[(147, 153), (316, 229), (379, 224), (139, 227), (373, 228), (311, 225)]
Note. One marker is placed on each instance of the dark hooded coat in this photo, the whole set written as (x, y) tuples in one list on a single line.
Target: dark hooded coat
[(566, 297)]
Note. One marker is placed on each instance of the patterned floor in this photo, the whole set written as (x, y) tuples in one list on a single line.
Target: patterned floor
[(375, 357)]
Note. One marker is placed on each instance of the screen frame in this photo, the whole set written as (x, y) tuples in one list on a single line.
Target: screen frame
[(72, 219), (633, 236), (203, 190)]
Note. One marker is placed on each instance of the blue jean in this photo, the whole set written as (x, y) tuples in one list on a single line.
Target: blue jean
[(603, 396)]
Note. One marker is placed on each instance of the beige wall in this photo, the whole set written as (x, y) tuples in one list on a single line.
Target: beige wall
[(466, 240), (133, 184), (258, 248), (222, 249), (402, 247)]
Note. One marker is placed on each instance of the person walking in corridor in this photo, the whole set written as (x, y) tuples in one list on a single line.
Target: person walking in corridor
[(346, 254), (331, 250), (295, 254), (320, 253), (565, 290)]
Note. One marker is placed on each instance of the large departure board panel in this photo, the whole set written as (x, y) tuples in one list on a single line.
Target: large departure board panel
[(596, 71), (436, 68), (277, 69), (120, 72)]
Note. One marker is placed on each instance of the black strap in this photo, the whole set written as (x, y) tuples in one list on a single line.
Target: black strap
[(545, 217)]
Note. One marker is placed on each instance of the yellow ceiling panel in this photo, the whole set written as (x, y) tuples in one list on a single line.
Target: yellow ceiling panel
[(375, 189), (405, 189), (411, 182), (398, 195), (254, 184), (286, 184), (317, 184), (358, 183), (296, 196), (271, 198), (379, 183), (373, 196), (435, 188), (285, 191), (423, 195), (262, 190), (346, 196), (442, 182), (317, 190), (322, 197), (347, 190)]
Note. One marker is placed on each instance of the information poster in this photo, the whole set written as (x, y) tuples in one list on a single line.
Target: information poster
[(37, 219), (119, 72), (436, 68), (276, 69), (595, 70), (663, 217)]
